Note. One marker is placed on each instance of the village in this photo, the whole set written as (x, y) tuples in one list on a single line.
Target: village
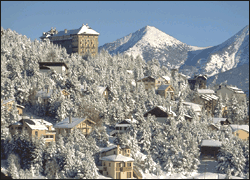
[(185, 101)]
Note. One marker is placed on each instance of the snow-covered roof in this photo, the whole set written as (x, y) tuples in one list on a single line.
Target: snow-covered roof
[(65, 123), (39, 124), (107, 148), (118, 157), (166, 78), (146, 77), (101, 89), (129, 71), (236, 127), (187, 116), (205, 91), (212, 124), (8, 100), (218, 120), (85, 29), (195, 107), (211, 143), (18, 105), (208, 97), (125, 125), (163, 87), (18, 123), (235, 89)]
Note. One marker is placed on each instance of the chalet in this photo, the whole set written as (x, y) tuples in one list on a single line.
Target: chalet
[(183, 79), (122, 126), (153, 82), (83, 40), (34, 127), (230, 91), (164, 90), (117, 163), (59, 67), (197, 108), (104, 91), (207, 98), (9, 104), (210, 148), (69, 124), (241, 131), (198, 80), (161, 113)]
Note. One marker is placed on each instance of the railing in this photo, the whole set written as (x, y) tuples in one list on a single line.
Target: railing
[(137, 173), (124, 169)]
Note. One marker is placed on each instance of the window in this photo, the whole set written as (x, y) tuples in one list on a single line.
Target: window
[(46, 136), (36, 133), (15, 127), (128, 151), (51, 136), (117, 128), (19, 128), (12, 128), (103, 163), (125, 128), (125, 151), (109, 164), (120, 128), (129, 164), (107, 173), (114, 152)]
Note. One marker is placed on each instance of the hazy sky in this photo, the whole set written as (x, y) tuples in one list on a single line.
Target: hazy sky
[(202, 23)]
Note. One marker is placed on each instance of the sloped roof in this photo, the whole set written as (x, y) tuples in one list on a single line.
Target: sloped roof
[(146, 77), (208, 97), (205, 91), (65, 123), (218, 120), (236, 127), (39, 124), (195, 107), (18, 105), (166, 78), (47, 64), (107, 148), (235, 89), (211, 143), (101, 89), (85, 29), (214, 125), (118, 157)]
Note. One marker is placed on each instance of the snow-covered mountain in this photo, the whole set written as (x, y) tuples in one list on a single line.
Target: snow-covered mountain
[(213, 60), (149, 42)]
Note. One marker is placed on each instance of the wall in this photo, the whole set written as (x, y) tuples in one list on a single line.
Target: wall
[(242, 134)]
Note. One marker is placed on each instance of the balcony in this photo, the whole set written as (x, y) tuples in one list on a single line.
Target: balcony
[(124, 169)]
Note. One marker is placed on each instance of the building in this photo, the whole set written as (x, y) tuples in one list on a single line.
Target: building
[(104, 91), (164, 90), (230, 91), (83, 40), (241, 131), (221, 121), (34, 127), (59, 67), (153, 82), (207, 98), (161, 113), (199, 81), (122, 126), (69, 124), (197, 108), (210, 149), (117, 163), (9, 104)]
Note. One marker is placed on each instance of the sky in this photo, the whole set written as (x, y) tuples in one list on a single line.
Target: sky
[(196, 23)]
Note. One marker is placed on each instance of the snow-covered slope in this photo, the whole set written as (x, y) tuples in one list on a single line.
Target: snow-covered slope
[(238, 76), (231, 54), (149, 42)]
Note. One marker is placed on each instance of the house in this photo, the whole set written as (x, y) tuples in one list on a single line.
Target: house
[(104, 91), (153, 82), (59, 67), (117, 163), (241, 131), (210, 148), (122, 126), (230, 91), (198, 80), (9, 104), (83, 40), (161, 113), (164, 90), (207, 98), (197, 108), (34, 127), (70, 123), (20, 109), (183, 79)]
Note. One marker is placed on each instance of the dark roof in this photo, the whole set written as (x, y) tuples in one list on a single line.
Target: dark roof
[(41, 64), (29, 121), (163, 87)]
